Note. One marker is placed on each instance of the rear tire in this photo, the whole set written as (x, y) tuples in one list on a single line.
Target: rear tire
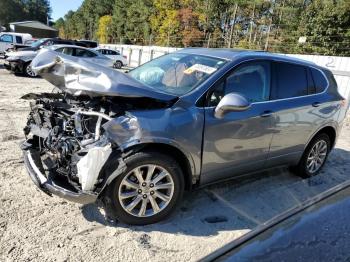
[(314, 157), (136, 197)]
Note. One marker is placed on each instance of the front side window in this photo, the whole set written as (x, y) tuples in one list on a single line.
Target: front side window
[(177, 73), (251, 80), (291, 81), (6, 38)]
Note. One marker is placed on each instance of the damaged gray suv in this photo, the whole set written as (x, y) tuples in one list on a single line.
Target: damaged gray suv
[(134, 142)]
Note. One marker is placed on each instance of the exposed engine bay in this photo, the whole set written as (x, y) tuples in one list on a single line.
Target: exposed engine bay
[(66, 131)]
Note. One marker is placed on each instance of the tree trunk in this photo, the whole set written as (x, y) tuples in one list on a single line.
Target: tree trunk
[(233, 25), (251, 25)]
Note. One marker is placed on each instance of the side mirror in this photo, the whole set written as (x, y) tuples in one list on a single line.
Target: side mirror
[(231, 102)]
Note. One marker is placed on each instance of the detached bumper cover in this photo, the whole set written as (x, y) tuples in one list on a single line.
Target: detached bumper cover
[(47, 185)]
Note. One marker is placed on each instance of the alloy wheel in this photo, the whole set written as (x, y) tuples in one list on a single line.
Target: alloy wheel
[(146, 190), (29, 71), (317, 156)]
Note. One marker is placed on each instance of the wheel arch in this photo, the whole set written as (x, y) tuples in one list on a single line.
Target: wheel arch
[(329, 130), (176, 153)]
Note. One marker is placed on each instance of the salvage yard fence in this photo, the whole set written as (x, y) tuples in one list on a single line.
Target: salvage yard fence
[(340, 66)]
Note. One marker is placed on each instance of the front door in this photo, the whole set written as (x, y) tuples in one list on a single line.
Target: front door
[(239, 142)]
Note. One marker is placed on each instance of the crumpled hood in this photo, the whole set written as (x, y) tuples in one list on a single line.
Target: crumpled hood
[(79, 77)]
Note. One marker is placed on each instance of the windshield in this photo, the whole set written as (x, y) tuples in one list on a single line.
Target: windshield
[(37, 43), (176, 73)]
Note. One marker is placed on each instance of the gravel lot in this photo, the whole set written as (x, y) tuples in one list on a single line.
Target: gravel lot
[(35, 227)]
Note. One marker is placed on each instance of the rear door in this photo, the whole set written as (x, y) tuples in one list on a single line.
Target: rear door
[(239, 142), (299, 108)]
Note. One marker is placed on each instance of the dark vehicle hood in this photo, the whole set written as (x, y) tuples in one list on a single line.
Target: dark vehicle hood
[(78, 76), (318, 233), (29, 48)]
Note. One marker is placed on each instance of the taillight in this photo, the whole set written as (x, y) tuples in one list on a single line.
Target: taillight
[(125, 56)]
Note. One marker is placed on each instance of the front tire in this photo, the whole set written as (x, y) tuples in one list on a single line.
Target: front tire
[(149, 189), (27, 70), (314, 157)]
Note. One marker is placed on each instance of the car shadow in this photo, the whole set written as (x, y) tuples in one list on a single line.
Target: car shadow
[(241, 204)]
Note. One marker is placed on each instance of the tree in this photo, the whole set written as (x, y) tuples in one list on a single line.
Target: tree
[(19, 10), (164, 22), (137, 26), (59, 25), (119, 20), (255, 24), (326, 25), (104, 27), (39, 10)]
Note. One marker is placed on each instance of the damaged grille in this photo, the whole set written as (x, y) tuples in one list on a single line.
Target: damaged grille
[(63, 130)]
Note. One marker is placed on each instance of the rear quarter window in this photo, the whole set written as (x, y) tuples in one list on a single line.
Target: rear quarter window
[(290, 81), (319, 80)]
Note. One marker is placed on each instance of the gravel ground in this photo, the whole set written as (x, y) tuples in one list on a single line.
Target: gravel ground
[(35, 227)]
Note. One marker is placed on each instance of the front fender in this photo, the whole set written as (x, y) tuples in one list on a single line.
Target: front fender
[(176, 127)]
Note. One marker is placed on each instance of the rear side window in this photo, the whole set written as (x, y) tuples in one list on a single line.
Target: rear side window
[(19, 40), (290, 81), (320, 81)]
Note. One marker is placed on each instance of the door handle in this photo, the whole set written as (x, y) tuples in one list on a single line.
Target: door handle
[(316, 104), (266, 113)]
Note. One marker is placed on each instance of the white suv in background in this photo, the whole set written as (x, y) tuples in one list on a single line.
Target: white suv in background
[(8, 39), (119, 60)]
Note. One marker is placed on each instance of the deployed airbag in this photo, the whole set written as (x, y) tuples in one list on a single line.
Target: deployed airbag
[(89, 166)]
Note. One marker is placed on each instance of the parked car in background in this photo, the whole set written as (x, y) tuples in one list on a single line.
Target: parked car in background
[(87, 54), (20, 61), (89, 43), (27, 43), (49, 42), (119, 60), (9, 39), (136, 141)]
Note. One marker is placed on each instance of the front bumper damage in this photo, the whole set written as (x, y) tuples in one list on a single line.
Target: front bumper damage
[(48, 184), (16, 66)]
